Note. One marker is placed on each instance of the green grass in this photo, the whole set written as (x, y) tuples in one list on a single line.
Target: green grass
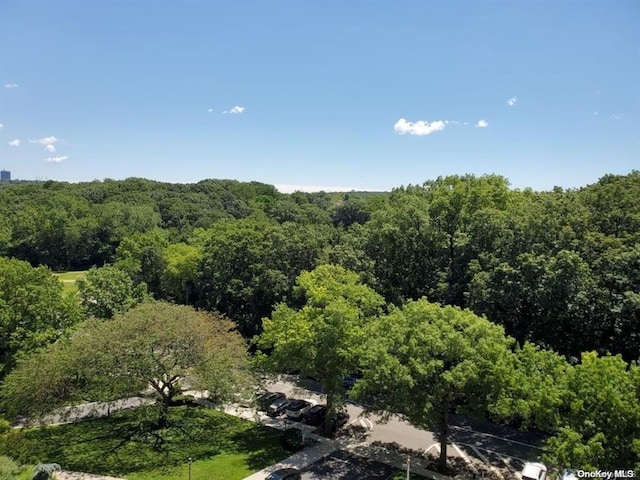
[(221, 446), (68, 279)]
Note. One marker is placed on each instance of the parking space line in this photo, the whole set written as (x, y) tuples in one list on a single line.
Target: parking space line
[(435, 445), (469, 429), (465, 457), (484, 459)]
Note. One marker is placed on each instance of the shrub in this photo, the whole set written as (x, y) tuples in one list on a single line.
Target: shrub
[(44, 471), (5, 425), (292, 439), (9, 469)]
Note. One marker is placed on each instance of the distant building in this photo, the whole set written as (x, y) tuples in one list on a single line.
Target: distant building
[(5, 175)]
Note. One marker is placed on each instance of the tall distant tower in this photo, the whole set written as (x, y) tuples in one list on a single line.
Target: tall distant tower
[(5, 175)]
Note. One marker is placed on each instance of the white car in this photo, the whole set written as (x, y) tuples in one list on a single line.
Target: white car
[(297, 408), (534, 471)]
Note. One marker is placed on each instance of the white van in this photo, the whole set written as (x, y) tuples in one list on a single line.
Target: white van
[(534, 471)]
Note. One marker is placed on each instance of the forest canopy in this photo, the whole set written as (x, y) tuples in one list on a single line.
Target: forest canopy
[(552, 277), (558, 268)]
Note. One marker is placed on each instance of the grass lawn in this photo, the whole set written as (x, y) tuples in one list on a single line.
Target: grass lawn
[(221, 446), (68, 279)]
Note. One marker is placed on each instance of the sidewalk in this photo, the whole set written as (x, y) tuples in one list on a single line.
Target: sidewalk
[(325, 446), (65, 475), (298, 460)]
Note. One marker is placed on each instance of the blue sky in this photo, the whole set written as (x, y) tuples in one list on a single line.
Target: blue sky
[(357, 94)]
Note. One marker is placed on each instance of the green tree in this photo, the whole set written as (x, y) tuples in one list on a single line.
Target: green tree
[(250, 265), (423, 360), (164, 347), (142, 256), (535, 391), (325, 338), (107, 291), (34, 310), (600, 423), (180, 274)]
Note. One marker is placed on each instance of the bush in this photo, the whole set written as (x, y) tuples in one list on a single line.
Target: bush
[(292, 439), (9, 469), (5, 425), (44, 471)]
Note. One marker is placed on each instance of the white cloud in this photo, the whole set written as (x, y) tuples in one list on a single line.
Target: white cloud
[(482, 124), (45, 141), (616, 116), (55, 159), (420, 127), (11, 85), (235, 110), (512, 101), (1, 125), (15, 143), (50, 148), (595, 114)]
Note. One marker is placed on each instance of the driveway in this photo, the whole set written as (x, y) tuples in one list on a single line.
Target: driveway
[(341, 465), (474, 439)]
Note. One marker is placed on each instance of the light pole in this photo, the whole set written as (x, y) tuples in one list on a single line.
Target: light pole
[(408, 467), (190, 461)]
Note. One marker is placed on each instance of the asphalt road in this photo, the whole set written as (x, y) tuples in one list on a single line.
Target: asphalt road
[(341, 465), (481, 440)]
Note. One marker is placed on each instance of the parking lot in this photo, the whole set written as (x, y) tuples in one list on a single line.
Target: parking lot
[(341, 465)]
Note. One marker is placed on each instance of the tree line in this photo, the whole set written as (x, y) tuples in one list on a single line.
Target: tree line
[(558, 273), (559, 268)]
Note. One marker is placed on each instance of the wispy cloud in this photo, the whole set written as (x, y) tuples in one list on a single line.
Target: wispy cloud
[(55, 159), (482, 124), (1, 125), (45, 141), (50, 148), (616, 116), (512, 101), (15, 143), (11, 85), (419, 128), (235, 110), (595, 114), (210, 110)]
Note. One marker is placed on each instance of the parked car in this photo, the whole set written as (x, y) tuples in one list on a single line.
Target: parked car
[(349, 382), (268, 398), (315, 415), (285, 474), (297, 408), (339, 421), (278, 407), (534, 471)]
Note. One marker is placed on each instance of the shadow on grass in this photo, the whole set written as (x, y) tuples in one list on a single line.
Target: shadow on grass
[(126, 442)]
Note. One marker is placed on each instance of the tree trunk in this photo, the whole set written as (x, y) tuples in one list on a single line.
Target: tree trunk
[(164, 413), (330, 413)]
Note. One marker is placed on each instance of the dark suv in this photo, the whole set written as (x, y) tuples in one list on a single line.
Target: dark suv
[(339, 421), (285, 474), (278, 407), (268, 398), (315, 415)]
